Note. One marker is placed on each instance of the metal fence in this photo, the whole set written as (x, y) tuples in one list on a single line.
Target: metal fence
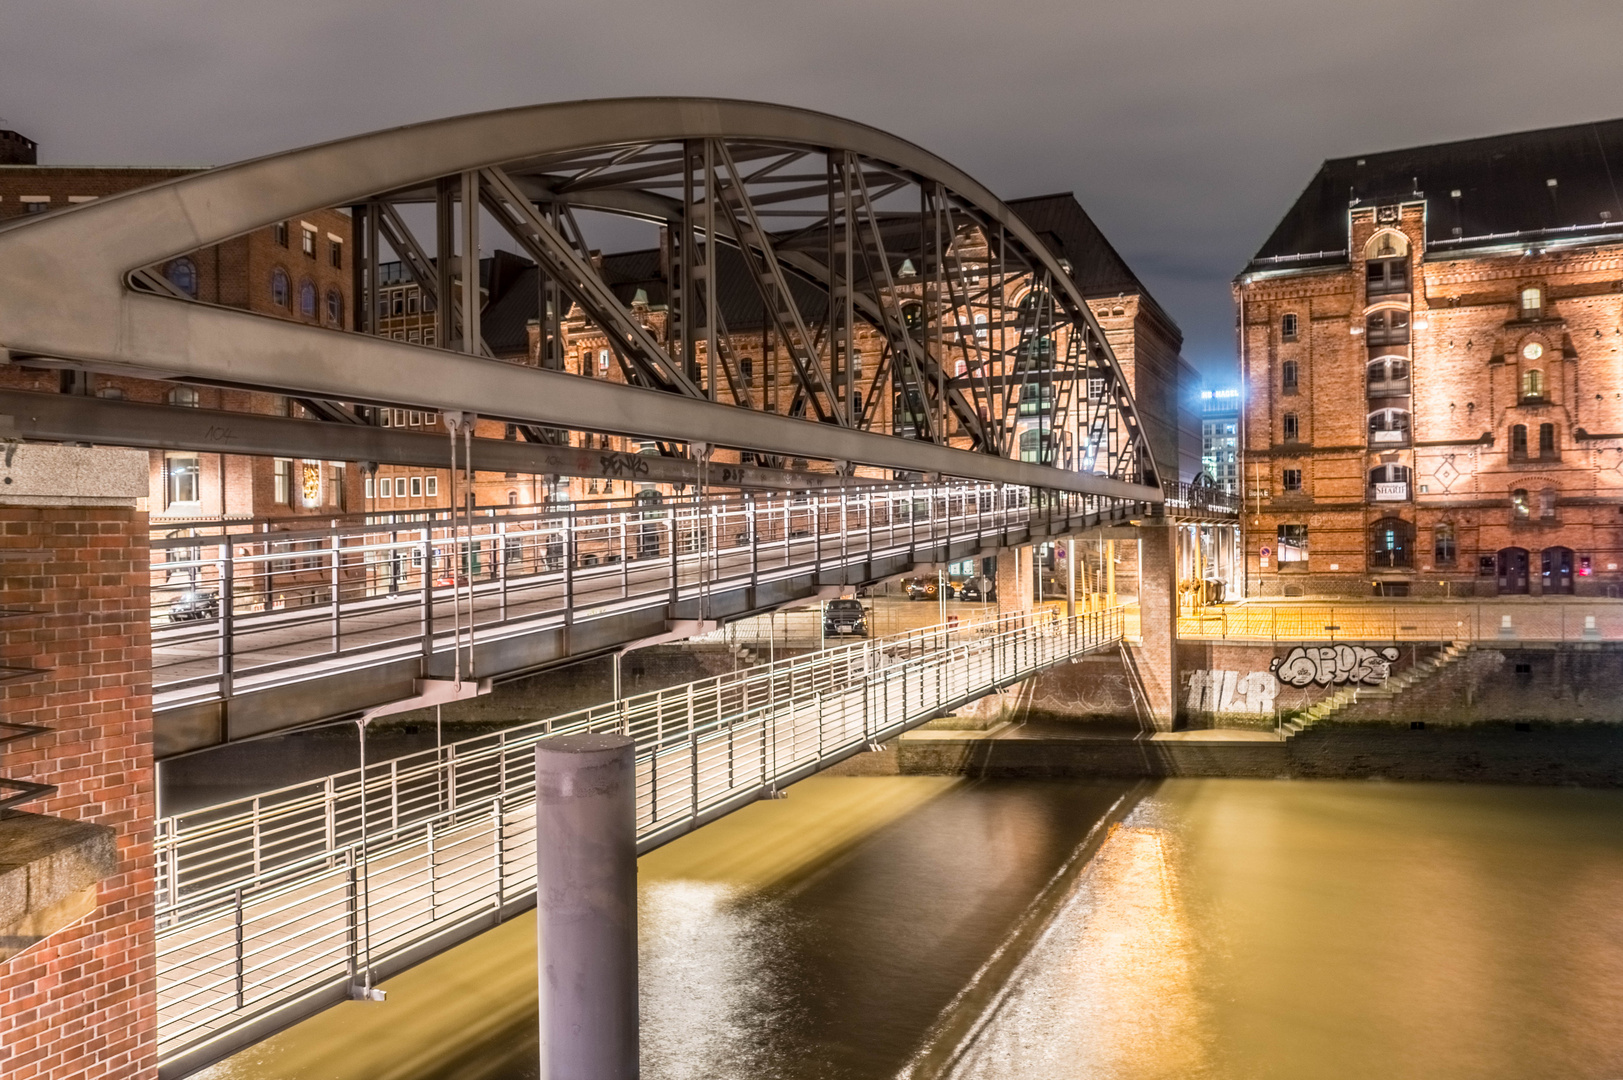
[(1507, 621), (234, 610), (275, 905)]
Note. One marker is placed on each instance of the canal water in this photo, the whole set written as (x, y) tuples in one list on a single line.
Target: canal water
[(920, 928)]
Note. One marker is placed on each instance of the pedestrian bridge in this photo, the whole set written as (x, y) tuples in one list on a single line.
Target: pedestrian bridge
[(260, 631)]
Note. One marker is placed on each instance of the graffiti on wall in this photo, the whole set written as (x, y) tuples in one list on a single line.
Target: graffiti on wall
[(1327, 664), (1230, 692)]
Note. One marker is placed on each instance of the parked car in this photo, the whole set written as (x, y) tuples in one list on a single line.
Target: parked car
[(921, 588), (194, 604), (845, 616), (977, 591)]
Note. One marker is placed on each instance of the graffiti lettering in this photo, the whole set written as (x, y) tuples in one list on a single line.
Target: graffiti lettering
[(1327, 664), (614, 465), (1228, 692)]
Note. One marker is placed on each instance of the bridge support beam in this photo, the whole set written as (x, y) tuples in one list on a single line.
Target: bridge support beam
[(1014, 578), (586, 906), (1157, 655)]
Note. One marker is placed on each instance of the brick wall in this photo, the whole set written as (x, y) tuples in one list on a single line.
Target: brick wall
[(82, 1003)]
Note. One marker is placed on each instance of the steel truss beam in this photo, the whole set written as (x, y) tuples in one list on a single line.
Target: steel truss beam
[(67, 280)]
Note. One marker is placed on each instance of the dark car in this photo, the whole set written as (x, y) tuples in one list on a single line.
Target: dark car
[(976, 591), (921, 588), (845, 616), (194, 604)]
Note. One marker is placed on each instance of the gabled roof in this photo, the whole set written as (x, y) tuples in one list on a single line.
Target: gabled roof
[(1096, 266), (1504, 185)]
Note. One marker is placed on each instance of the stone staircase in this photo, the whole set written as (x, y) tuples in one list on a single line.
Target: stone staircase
[(1392, 688)]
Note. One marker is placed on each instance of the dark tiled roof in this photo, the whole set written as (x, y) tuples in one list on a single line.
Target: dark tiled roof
[(1096, 266), (1503, 181)]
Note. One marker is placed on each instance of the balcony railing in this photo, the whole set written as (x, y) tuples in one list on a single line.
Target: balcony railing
[(1389, 388)]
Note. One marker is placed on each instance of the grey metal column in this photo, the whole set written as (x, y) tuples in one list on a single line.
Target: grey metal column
[(586, 906)]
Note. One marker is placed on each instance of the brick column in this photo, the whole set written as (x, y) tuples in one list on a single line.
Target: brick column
[(1014, 592), (1157, 657), (81, 1001)]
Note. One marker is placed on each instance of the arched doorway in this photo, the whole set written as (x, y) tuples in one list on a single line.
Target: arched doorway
[(1512, 571), (1391, 544), (1555, 565)]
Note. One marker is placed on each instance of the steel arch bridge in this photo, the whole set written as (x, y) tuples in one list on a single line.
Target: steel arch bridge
[(989, 363)]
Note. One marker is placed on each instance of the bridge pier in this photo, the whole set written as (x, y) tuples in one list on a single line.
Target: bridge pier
[(78, 957), (586, 906), (1156, 657), (1014, 584)]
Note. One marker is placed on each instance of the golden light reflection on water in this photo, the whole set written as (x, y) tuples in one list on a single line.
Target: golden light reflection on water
[(1108, 991)]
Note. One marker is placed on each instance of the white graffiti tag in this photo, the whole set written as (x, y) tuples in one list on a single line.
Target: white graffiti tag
[(1327, 664), (1228, 692)]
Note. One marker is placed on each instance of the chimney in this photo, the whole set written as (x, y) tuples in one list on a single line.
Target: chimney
[(17, 150)]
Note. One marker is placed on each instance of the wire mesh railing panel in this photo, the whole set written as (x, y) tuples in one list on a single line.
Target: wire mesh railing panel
[(285, 894)]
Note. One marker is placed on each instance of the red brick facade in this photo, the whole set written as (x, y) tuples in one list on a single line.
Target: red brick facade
[(83, 1002), (1509, 435)]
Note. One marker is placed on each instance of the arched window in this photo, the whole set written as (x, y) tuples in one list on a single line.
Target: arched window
[(184, 396), (1519, 504), (1387, 244), (1546, 502), (1389, 482), (1546, 440), (1387, 269), (1287, 327), (307, 298), (512, 498), (1288, 374), (1389, 426), (1518, 440), (1388, 375), (279, 287), (1532, 385), (1391, 543), (1389, 326), (335, 307), (182, 274)]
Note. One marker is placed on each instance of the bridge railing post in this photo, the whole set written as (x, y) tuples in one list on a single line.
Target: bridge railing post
[(227, 620), (428, 600), (333, 583)]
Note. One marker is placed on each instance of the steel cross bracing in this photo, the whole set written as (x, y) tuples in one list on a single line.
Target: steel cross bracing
[(279, 626), (275, 906), (870, 270)]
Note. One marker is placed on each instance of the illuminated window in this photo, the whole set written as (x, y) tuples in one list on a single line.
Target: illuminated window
[(1287, 327), (1292, 543), (184, 396), (1519, 504), (603, 359), (181, 476), (1532, 301), (308, 244), (1532, 384)]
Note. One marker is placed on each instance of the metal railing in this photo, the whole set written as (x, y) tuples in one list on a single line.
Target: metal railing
[(237, 610), (282, 902), (1199, 499), (1509, 621)]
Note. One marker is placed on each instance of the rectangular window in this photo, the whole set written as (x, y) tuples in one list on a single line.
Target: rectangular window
[(1292, 540), (1096, 389), (1442, 544), (433, 485), (284, 481), (385, 488), (279, 233), (309, 242), (416, 419), (417, 487), (431, 419), (1291, 427), (1486, 566), (371, 488), (603, 359), (1293, 479), (1288, 376), (181, 486), (400, 418), (400, 487), (1287, 327), (335, 253), (1518, 441), (1546, 439)]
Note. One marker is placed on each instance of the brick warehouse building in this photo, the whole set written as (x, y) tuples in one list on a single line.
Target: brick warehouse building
[(1430, 350)]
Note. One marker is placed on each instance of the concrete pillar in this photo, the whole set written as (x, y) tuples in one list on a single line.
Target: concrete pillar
[(1157, 656), (78, 982), (1014, 572), (586, 906)]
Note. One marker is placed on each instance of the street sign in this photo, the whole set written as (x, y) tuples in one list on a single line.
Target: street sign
[(1265, 553)]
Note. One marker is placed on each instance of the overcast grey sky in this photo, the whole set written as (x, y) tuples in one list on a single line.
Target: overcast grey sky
[(1185, 127)]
